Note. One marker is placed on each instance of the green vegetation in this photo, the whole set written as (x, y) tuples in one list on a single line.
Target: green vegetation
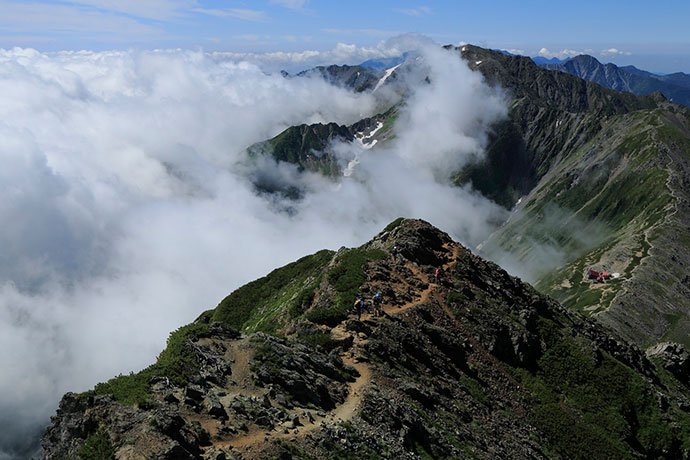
[(671, 133), (257, 306), (332, 449), (296, 451), (474, 388), (346, 277), (393, 225), (266, 355), (629, 197), (297, 143), (97, 447), (177, 362), (321, 339), (594, 408), (303, 300), (203, 435), (389, 119)]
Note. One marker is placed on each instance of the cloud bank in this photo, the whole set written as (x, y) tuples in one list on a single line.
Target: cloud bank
[(300, 60), (126, 214), (614, 52), (562, 54)]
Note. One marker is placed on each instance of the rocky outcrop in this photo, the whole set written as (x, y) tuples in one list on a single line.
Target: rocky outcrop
[(674, 357), (163, 430), (305, 376)]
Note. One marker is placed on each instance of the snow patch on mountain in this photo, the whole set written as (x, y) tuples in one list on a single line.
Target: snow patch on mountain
[(388, 73)]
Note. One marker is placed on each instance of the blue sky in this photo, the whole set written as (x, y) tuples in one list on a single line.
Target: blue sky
[(651, 35)]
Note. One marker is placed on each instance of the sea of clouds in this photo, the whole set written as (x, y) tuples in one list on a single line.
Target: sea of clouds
[(127, 209)]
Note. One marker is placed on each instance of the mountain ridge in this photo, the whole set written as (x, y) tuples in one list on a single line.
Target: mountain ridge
[(580, 160), (676, 86), (473, 363)]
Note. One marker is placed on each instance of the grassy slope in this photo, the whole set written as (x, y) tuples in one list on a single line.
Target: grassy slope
[(602, 205), (266, 304)]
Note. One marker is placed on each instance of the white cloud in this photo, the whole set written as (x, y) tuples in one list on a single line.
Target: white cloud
[(239, 13), (251, 37), (614, 52), (126, 209), (59, 18), (416, 12), (343, 53), (151, 9), (292, 4), (519, 52), (562, 54), (366, 32)]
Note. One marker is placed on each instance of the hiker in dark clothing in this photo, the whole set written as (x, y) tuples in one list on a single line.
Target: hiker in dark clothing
[(359, 306), (376, 302)]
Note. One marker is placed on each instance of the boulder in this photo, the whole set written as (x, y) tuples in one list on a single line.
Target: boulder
[(674, 357)]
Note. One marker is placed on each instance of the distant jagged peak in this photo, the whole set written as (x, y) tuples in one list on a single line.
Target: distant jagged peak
[(357, 78), (675, 87)]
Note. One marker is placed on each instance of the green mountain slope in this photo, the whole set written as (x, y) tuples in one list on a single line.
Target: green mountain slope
[(471, 364), (610, 180), (551, 114), (307, 146), (310, 147)]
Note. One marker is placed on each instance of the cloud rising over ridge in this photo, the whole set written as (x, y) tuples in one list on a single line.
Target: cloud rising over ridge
[(125, 213)]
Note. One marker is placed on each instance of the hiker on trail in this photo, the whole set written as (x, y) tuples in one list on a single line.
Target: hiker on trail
[(359, 306), (376, 302), (437, 275)]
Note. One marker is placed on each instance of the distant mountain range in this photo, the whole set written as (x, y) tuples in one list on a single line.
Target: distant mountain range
[(539, 60), (675, 87)]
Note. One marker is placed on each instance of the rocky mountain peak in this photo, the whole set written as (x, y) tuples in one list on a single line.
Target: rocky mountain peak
[(416, 240)]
